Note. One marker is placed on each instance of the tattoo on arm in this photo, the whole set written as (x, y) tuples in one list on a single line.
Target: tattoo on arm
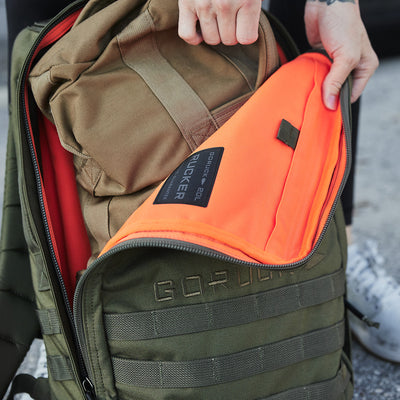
[(329, 2)]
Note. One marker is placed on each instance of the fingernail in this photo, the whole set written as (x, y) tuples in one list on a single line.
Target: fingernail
[(331, 102)]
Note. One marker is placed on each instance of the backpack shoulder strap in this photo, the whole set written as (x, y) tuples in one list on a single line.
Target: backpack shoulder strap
[(18, 321), (19, 325)]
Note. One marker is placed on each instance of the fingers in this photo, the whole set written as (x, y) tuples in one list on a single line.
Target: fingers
[(337, 75), (226, 25), (247, 23), (187, 24), (226, 21), (362, 73), (361, 65), (209, 29), (338, 28)]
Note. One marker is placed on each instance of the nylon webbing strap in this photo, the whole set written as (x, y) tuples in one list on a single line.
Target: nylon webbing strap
[(233, 367), (223, 314), (44, 283), (188, 111), (331, 389), (49, 322), (60, 368)]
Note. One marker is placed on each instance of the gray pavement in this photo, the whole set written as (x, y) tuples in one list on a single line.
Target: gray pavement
[(377, 202)]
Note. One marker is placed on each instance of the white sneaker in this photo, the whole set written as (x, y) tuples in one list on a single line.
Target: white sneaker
[(377, 296)]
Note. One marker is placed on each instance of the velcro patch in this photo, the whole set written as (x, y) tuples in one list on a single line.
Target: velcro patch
[(288, 134), (192, 182)]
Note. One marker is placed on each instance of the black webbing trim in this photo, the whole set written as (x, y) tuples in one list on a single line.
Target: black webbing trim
[(223, 314), (228, 368)]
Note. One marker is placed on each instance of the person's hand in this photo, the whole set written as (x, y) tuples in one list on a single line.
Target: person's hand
[(337, 27), (216, 21)]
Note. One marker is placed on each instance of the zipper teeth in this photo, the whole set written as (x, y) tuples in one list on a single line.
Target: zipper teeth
[(42, 208), (33, 154), (74, 7)]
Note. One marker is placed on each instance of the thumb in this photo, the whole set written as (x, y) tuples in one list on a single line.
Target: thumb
[(333, 82)]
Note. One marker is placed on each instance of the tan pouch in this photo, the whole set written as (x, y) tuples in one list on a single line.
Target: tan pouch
[(131, 100)]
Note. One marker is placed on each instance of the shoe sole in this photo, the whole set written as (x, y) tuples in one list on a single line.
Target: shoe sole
[(374, 353)]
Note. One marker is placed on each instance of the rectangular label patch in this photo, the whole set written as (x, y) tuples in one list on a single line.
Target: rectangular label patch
[(192, 182), (288, 134)]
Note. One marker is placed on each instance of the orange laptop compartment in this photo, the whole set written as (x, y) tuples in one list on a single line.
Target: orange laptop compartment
[(264, 187)]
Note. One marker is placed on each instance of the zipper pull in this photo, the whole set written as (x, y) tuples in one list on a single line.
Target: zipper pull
[(89, 389), (357, 313)]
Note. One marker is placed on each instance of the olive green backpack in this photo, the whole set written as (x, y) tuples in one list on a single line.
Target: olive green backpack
[(159, 315)]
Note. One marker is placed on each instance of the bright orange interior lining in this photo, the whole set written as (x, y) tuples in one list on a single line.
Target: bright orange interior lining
[(269, 208)]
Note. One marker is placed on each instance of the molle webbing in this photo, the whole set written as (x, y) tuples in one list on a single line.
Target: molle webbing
[(223, 314), (60, 368), (330, 389), (232, 367), (49, 321)]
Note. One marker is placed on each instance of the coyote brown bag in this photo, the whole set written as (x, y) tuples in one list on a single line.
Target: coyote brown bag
[(131, 100), (228, 282)]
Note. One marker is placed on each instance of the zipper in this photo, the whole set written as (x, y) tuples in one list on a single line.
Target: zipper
[(22, 110)]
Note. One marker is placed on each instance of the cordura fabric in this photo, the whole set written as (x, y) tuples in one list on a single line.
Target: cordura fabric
[(272, 323), (129, 51)]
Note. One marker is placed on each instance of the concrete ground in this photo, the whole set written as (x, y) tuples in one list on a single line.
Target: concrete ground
[(376, 214)]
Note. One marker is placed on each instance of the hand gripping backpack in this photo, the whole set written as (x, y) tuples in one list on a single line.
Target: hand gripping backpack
[(227, 282)]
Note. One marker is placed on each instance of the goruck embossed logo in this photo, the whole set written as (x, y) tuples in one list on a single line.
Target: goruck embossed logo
[(192, 182)]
